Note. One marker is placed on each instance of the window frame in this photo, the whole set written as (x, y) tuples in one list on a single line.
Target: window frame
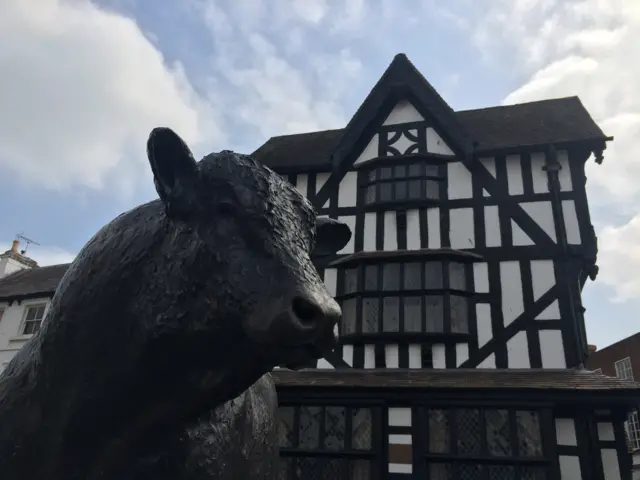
[(25, 322), (625, 367), (444, 290), (424, 459), (436, 178), (373, 455), (633, 429)]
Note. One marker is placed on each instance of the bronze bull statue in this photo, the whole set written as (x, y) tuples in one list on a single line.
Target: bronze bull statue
[(153, 360)]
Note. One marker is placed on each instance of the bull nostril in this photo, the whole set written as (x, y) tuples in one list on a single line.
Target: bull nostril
[(306, 311)]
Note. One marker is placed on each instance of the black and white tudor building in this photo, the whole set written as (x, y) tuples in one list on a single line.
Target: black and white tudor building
[(463, 337)]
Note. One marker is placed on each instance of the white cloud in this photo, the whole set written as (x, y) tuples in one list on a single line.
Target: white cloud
[(81, 89), (277, 87), (587, 48)]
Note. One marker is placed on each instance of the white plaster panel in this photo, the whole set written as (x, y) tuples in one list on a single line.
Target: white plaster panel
[(390, 231), (462, 353), (433, 227), (566, 432), (438, 359), (512, 299), (347, 354), (321, 179), (552, 312), (492, 226), (349, 220), (552, 349), (369, 356), (399, 417), (610, 464), (369, 152), (481, 277), (519, 238), (400, 468), (571, 222), (459, 179), (543, 277), (369, 238), (331, 280), (302, 184), (514, 175), (542, 214), (435, 143), (570, 467), (415, 355), (490, 164), (518, 351), (483, 317), (539, 175), (399, 439), (403, 112), (323, 364), (564, 175), (489, 362), (391, 356), (413, 230), (348, 190), (605, 431), (461, 231)]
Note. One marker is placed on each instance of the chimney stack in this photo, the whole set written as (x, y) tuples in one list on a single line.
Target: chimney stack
[(592, 349), (14, 246)]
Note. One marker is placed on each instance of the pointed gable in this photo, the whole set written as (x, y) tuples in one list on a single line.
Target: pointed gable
[(402, 96)]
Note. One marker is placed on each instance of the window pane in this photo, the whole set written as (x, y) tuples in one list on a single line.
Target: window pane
[(334, 428), (321, 468), (413, 314), (468, 431), (434, 314), (31, 314), (391, 314), (459, 314), (350, 281), (372, 175), (371, 278), (40, 313), (385, 192), (457, 277), (285, 426), (415, 170), (415, 189), (348, 316), (284, 468), (470, 471), (309, 428), (439, 431), (529, 439), (498, 433), (400, 171), (370, 310), (359, 470), (433, 275), (401, 190), (501, 472), (432, 189), (361, 429), (391, 276), (533, 473), (431, 170), (385, 173), (370, 194), (412, 276)]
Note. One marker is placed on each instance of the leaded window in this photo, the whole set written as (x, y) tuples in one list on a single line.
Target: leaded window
[(482, 444), (404, 296), (417, 180), (327, 442)]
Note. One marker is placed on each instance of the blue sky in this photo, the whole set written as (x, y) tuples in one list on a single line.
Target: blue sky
[(84, 82)]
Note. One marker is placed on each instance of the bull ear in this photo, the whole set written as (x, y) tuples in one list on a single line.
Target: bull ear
[(174, 168), (331, 236)]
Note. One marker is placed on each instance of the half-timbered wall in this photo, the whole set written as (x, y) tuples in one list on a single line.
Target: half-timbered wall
[(524, 213)]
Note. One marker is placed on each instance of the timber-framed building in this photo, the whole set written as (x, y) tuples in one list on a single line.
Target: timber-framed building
[(462, 343)]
